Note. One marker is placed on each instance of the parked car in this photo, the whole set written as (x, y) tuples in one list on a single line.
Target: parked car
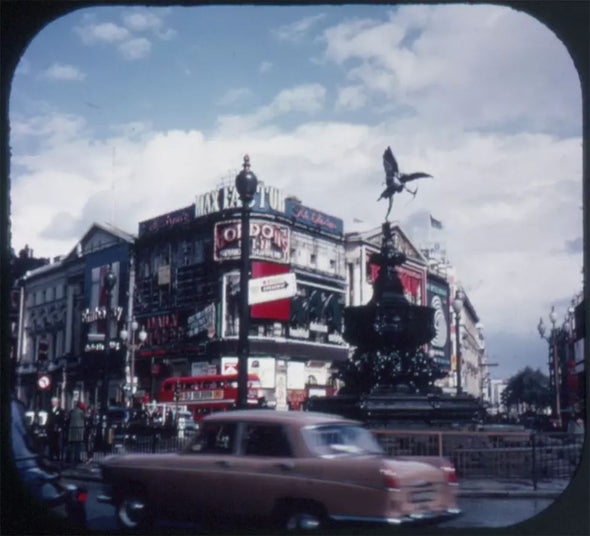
[(36, 422), (185, 423), (42, 480), (126, 424), (297, 470)]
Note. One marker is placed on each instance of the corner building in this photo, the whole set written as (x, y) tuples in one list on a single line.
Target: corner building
[(186, 293)]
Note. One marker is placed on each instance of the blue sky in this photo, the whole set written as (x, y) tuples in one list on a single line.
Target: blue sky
[(122, 113)]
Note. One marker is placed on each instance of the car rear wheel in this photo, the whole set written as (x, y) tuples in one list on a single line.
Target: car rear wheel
[(302, 518), (133, 512)]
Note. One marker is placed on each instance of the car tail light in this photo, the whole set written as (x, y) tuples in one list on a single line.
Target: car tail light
[(390, 479), (77, 494), (450, 474)]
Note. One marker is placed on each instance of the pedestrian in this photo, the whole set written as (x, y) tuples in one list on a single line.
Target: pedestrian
[(55, 430), (90, 430), (76, 432)]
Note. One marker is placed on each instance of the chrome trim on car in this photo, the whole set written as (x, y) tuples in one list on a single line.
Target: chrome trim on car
[(411, 518), (104, 498)]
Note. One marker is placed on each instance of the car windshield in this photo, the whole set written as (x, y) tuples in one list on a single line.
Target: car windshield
[(330, 440)]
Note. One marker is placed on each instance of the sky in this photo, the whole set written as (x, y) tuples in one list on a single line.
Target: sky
[(118, 114)]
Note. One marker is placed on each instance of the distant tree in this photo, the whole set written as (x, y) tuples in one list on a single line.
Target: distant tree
[(24, 261), (528, 390)]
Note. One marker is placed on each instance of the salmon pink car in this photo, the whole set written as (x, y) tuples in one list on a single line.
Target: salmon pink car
[(296, 470)]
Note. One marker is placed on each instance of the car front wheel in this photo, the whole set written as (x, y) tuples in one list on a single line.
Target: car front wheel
[(132, 512)]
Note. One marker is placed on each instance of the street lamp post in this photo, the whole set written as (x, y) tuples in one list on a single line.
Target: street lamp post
[(457, 307), (110, 280), (553, 361), (246, 183), (129, 337)]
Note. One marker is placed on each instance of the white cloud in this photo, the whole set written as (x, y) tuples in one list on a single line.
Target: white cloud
[(64, 72), (265, 67), (351, 98), (419, 59), (233, 96), (135, 49), (106, 32), (298, 30), (143, 21), (306, 98), (140, 21)]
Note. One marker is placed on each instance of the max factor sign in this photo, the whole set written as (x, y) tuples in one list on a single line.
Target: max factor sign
[(266, 199)]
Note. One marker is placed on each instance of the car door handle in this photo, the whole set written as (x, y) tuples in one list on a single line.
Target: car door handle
[(285, 466), (223, 463)]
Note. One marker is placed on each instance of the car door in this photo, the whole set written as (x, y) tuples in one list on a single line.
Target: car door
[(264, 470), (204, 473)]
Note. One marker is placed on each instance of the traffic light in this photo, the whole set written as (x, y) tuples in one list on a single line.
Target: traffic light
[(176, 392), (42, 350)]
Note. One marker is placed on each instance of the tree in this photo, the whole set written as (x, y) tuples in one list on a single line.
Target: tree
[(528, 390)]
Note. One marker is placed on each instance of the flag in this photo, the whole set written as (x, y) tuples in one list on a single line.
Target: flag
[(434, 223)]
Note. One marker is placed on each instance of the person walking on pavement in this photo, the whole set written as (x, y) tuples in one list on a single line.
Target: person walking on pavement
[(55, 430), (76, 432), (90, 434)]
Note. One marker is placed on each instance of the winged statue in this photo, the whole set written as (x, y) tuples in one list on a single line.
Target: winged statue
[(395, 182)]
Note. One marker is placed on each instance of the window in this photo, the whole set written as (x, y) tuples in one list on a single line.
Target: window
[(341, 439), (265, 440), (313, 258), (215, 438)]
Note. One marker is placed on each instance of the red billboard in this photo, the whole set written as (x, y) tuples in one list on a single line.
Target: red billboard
[(274, 310)]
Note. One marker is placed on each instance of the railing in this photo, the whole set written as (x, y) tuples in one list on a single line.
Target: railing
[(142, 444), (510, 455)]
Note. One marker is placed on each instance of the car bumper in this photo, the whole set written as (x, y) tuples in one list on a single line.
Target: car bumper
[(422, 517)]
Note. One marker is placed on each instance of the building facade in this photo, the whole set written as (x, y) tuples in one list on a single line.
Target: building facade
[(60, 342), (186, 295)]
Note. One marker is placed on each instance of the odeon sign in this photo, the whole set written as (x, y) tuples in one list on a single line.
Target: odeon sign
[(268, 240)]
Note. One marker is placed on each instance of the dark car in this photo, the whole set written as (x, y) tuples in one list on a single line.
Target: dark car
[(42, 480), (124, 425)]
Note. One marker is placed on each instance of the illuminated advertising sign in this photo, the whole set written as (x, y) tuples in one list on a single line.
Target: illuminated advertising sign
[(266, 199), (313, 218), (412, 281), (268, 241), (274, 310), (437, 294), (167, 221)]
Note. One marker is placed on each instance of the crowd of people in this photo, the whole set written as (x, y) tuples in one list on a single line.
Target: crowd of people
[(73, 436), (70, 434)]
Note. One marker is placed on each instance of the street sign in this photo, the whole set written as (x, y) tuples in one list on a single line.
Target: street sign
[(43, 382), (271, 288)]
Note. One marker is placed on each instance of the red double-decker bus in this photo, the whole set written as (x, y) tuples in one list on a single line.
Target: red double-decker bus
[(205, 394)]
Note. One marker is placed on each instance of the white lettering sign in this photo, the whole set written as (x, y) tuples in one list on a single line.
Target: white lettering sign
[(271, 288), (267, 198), (100, 313)]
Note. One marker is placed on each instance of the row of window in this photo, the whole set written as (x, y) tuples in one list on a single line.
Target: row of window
[(46, 295)]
